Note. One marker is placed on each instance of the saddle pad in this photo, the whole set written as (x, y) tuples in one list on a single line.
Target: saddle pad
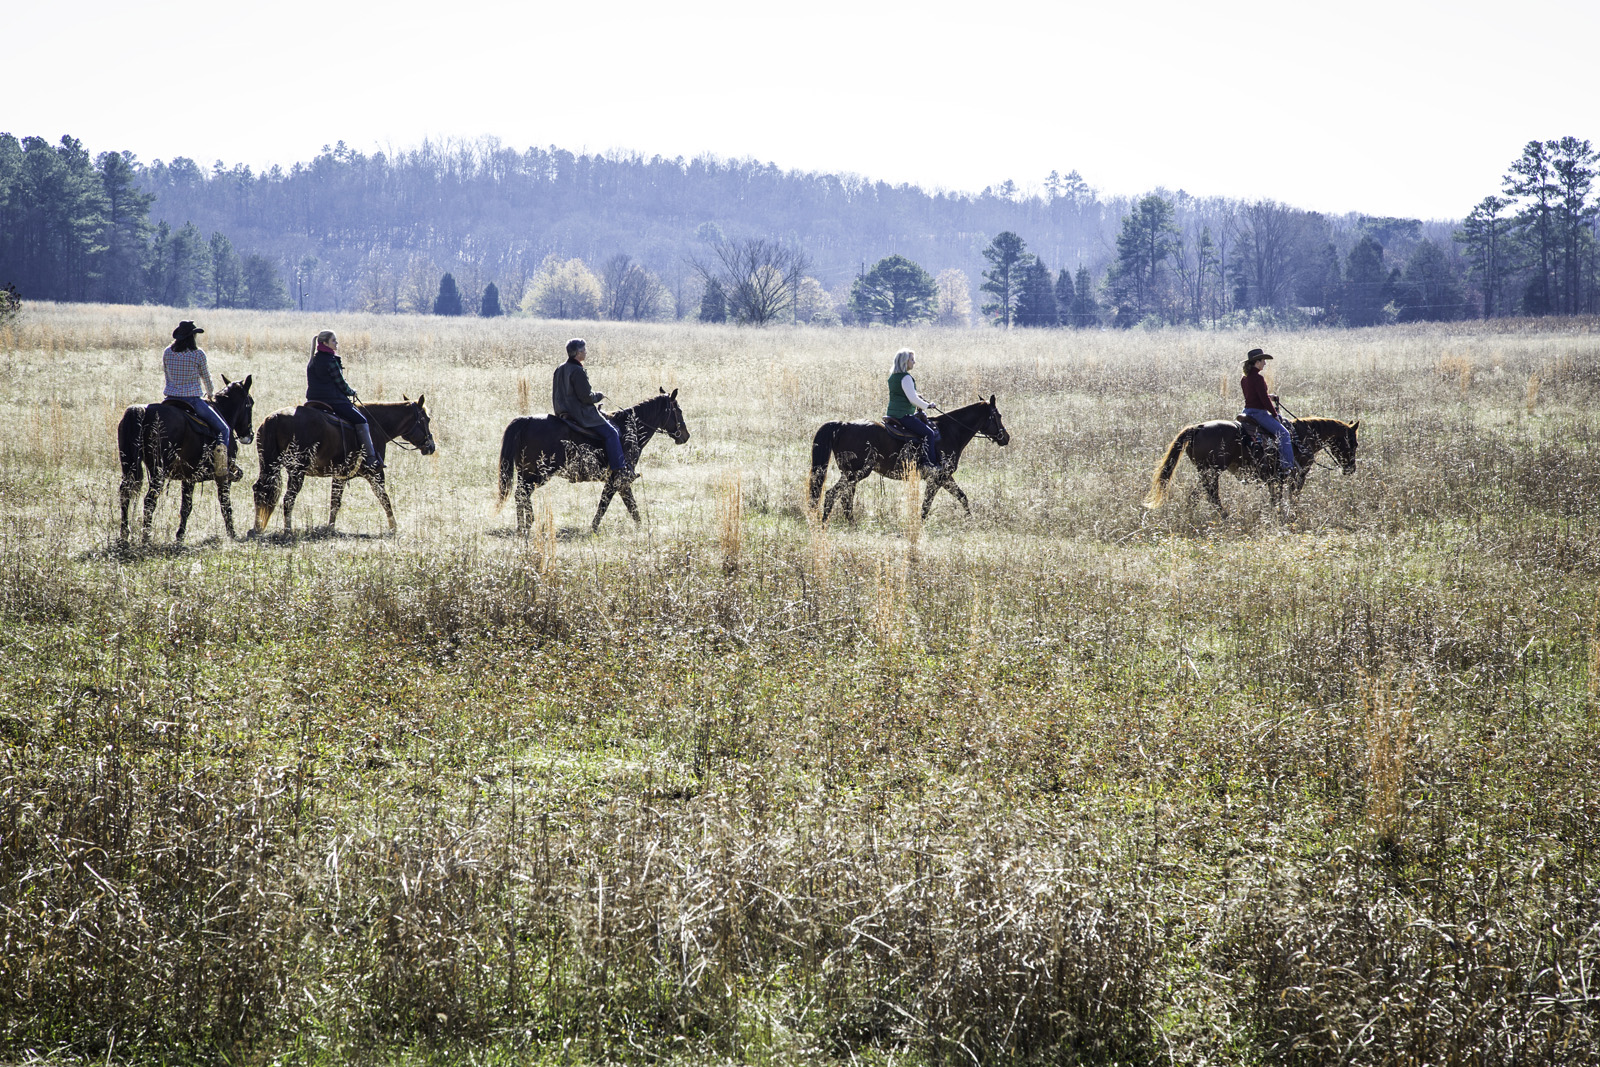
[(580, 429)]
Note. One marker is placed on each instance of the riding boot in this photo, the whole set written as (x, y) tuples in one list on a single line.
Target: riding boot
[(219, 462), (366, 447)]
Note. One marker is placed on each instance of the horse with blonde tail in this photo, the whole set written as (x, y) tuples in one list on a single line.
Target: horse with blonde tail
[(1227, 445)]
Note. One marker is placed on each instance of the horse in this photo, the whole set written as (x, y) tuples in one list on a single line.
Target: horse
[(1219, 445), (311, 441), (536, 448), (164, 439), (860, 448)]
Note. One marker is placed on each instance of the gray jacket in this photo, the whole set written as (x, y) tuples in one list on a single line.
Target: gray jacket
[(571, 396)]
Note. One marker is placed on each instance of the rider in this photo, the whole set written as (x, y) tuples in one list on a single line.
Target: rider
[(189, 379), (909, 408), (573, 399), (1262, 406), (326, 385)]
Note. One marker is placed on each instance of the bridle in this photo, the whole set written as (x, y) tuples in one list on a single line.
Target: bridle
[(396, 437), (977, 431)]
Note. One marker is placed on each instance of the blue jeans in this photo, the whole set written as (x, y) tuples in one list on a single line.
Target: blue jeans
[(202, 407), (1281, 432), (615, 459), (918, 426)]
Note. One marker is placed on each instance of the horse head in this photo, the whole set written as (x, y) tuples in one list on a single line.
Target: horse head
[(993, 428), (240, 408), (417, 432), (671, 422), (1343, 445)]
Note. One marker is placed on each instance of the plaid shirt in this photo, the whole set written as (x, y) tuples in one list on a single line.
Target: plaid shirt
[(186, 373)]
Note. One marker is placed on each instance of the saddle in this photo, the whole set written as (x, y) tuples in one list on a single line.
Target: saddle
[(1260, 442), (587, 433), (896, 431), (199, 425), (328, 411)]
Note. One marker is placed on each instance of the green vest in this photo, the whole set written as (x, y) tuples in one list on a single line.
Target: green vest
[(898, 404)]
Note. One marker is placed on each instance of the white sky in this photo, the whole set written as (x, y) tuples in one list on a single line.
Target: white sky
[(1389, 107)]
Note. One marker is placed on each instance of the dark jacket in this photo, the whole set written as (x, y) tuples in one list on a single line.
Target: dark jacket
[(571, 396), (1256, 396), (325, 379)]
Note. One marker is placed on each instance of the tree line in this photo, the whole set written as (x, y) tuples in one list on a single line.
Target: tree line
[(477, 228)]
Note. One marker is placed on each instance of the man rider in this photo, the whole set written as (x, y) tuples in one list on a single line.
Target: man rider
[(573, 399)]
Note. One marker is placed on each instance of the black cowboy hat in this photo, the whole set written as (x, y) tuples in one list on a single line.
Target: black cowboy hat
[(186, 328), (1255, 354)]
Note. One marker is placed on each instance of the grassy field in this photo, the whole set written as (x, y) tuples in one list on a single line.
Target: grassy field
[(1067, 781)]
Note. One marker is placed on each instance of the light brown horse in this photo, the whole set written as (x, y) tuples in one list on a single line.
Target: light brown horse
[(1220, 445), (308, 441)]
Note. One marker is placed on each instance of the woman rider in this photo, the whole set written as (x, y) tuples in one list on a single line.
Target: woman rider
[(326, 385), (1262, 406), (189, 380), (906, 406)]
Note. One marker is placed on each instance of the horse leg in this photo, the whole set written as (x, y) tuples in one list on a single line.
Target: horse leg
[(335, 501), (1208, 479), (125, 492), (376, 481), (151, 495), (850, 497), (828, 499), (185, 506), (297, 478), (524, 494), (948, 483), (266, 493), (225, 499), (605, 502), (627, 499)]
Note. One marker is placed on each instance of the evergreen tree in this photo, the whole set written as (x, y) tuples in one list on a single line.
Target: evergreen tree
[(1064, 295), (895, 292), (714, 303), (263, 289), (490, 307), (1431, 293), (126, 236), (1007, 255), (225, 277), (1532, 179), (1487, 237), (1366, 284), (1573, 164), (448, 302), (10, 304), (1148, 239), (1036, 302), (1085, 308)]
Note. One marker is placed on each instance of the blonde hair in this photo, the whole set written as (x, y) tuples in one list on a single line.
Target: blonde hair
[(322, 338), (902, 361)]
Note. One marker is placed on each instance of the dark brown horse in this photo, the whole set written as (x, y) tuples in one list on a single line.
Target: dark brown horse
[(536, 448), (862, 448), (309, 441), (1220, 445), (168, 442)]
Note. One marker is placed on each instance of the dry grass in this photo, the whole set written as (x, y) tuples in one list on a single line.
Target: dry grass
[(1071, 781)]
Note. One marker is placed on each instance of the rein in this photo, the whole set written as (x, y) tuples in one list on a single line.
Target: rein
[(395, 438), (977, 431)]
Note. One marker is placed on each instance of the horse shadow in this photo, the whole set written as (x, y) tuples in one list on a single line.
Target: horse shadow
[(313, 534), (564, 534), (135, 552)]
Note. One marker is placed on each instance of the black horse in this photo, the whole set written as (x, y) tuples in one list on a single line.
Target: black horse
[(169, 442), (1220, 445), (861, 448), (311, 441), (536, 448)]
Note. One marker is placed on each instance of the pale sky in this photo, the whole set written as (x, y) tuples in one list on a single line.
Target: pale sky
[(1388, 107)]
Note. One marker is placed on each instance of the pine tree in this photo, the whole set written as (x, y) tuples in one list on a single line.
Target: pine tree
[(448, 302), (1008, 255), (896, 292), (1085, 308), (127, 230), (225, 276), (1036, 302), (490, 307), (263, 289), (714, 304), (1487, 236), (1366, 284), (1064, 295)]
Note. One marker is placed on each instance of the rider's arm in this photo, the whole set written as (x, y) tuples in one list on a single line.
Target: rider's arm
[(909, 387), (204, 371)]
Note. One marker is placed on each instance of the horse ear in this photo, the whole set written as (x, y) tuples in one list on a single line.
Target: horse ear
[(674, 394), (225, 380), (661, 388), (991, 400), (248, 378), (1354, 426), (407, 399), (419, 399)]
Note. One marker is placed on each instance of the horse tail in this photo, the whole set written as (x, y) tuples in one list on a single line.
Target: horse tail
[(1158, 483), (508, 464), (821, 451), (130, 437)]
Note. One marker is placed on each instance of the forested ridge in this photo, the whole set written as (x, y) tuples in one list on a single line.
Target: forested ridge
[(633, 234)]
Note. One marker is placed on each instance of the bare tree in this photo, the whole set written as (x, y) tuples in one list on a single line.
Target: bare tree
[(760, 277), (629, 291)]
